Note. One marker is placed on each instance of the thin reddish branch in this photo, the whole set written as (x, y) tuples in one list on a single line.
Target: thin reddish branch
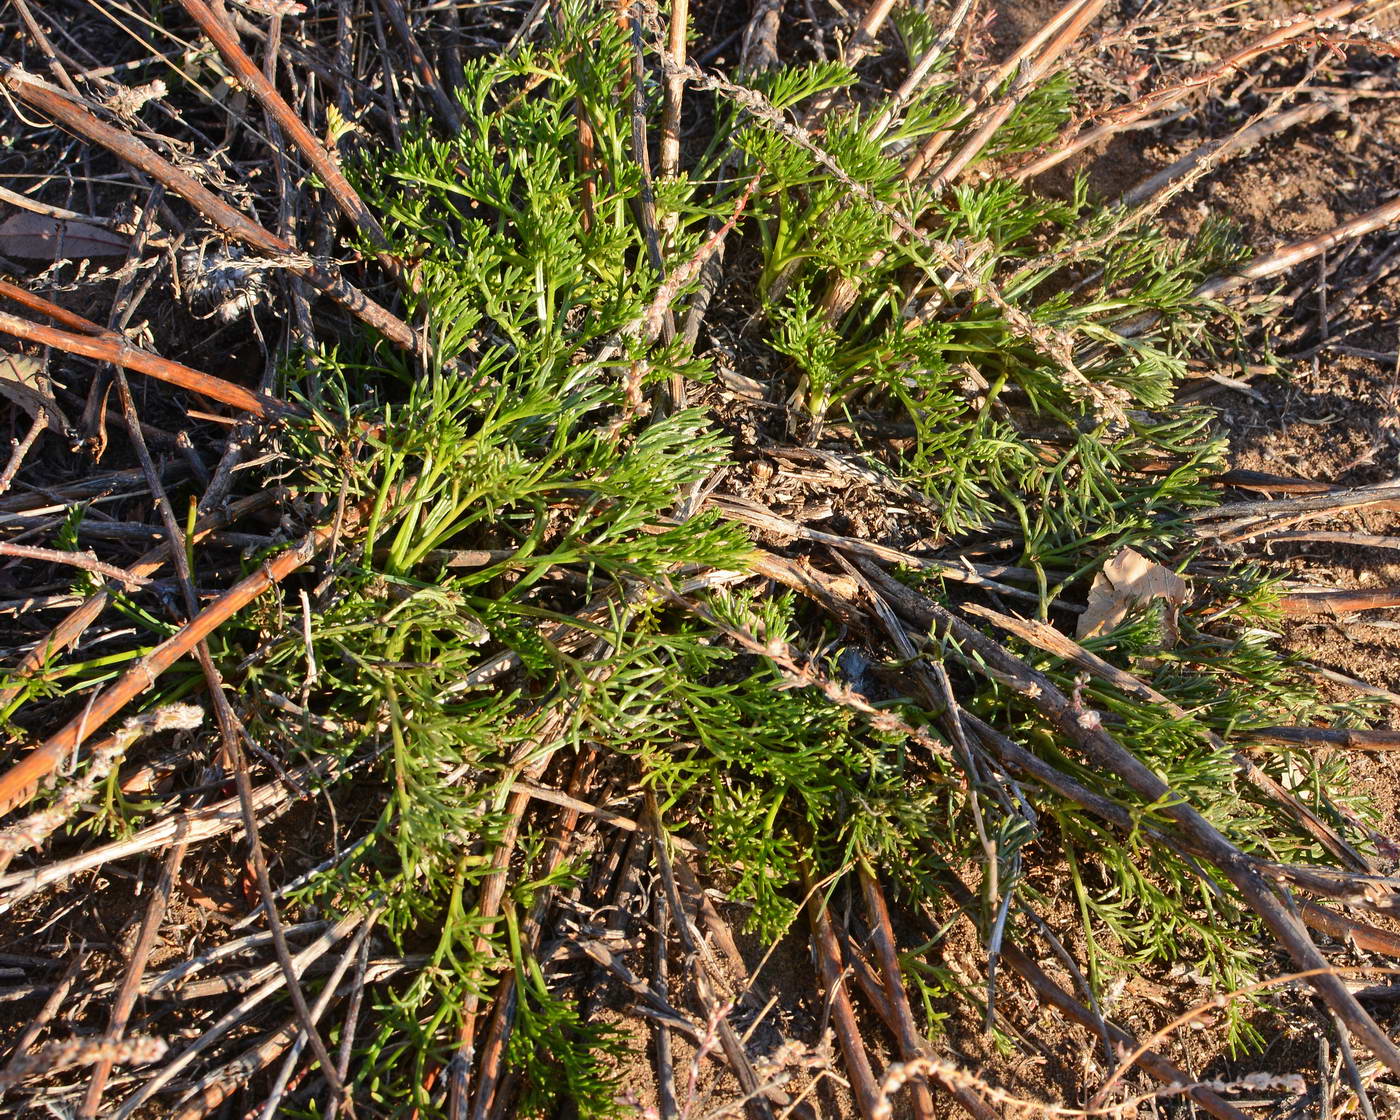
[(887, 953), (1021, 57), (35, 302), (87, 561), (115, 349), (1164, 99), (843, 1016), (1051, 994), (131, 981), (1362, 935), (256, 82), (1335, 604), (21, 780)]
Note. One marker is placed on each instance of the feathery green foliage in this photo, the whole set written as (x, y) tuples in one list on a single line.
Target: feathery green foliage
[(500, 611)]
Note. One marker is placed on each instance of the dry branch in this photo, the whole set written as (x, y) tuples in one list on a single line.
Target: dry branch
[(1346, 738), (38, 827), (1083, 728), (324, 277), (1337, 604), (1162, 100), (54, 1057), (253, 80), (131, 981), (1050, 640), (118, 351), (447, 110), (19, 783), (1281, 260), (85, 561), (838, 1000)]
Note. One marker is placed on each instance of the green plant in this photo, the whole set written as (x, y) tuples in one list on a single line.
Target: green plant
[(529, 442), (534, 582)]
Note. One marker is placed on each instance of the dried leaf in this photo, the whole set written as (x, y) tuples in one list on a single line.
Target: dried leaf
[(41, 237), (24, 382), (1131, 580)]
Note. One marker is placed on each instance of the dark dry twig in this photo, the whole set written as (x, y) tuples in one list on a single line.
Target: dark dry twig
[(882, 936), (87, 561), (323, 276), (1052, 641), (1345, 738), (716, 1013), (1084, 729), (67, 632), (447, 110)]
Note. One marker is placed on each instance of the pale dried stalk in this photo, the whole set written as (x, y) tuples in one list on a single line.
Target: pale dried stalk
[(197, 826), (1019, 58), (1165, 99), (997, 117), (920, 70), (54, 1057), (1281, 260), (38, 827), (669, 157), (301, 962), (899, 1074)]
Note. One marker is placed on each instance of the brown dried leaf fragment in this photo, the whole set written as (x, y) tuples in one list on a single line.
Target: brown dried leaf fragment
[(23, 382), (1131, 580), (45, 238)]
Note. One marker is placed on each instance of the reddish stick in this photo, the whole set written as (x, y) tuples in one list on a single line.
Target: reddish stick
[(20, 782), (135, 971), (25, 298), (1337, 603), (1364, 936), (155, 366), (886, 951), (118, 351), (843, 1016), (256, 82), (1168, 98)]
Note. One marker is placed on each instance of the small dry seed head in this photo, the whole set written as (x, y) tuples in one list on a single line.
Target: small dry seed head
[(221, 281)]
